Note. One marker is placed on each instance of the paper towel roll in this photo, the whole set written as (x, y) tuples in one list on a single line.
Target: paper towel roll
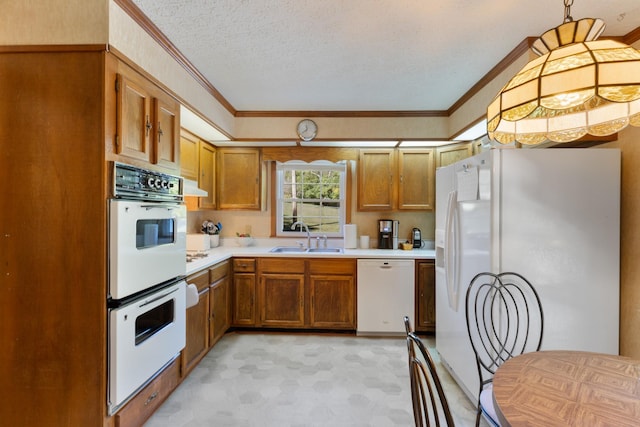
[(350, 236), (192, 295)]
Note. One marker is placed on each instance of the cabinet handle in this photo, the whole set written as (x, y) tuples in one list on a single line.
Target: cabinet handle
[(148, 125), (151, 398), (160, 133)]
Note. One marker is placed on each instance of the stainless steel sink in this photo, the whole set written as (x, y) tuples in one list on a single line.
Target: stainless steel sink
[(284, 249), (298, 249)]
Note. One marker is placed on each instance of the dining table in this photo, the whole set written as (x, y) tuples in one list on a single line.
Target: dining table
[(568, 388)]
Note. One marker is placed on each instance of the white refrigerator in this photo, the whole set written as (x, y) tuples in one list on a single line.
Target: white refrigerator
[(552, 215)]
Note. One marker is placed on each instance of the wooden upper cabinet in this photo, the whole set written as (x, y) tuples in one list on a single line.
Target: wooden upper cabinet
[(189, 156), (148, 122), (390, 179), (376, 182), (135, 124), (239, 175), (207, 175), (167, 132), (453, 153), (416, 180)]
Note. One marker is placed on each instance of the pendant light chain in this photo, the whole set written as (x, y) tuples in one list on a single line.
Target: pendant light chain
[(567, 10)]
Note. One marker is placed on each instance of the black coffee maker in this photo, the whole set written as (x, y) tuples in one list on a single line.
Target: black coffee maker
[(386, 233)]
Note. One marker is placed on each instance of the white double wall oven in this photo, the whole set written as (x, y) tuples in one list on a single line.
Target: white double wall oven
[(147, 291)]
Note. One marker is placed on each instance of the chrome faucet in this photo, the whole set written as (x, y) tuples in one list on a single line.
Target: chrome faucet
[(302, 224)]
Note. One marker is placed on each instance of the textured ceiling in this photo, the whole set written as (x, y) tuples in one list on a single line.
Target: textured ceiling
[(360, 55)]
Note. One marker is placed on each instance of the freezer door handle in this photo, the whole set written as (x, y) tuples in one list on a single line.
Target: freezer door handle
[(451, 250)]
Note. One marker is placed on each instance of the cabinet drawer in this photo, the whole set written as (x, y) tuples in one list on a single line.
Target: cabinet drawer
[(140, 408), (200, 279), (244, 265), (332, 266), (281, 265), (218, 271)]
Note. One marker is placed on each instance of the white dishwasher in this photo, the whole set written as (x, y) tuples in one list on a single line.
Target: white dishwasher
[(385, 295)]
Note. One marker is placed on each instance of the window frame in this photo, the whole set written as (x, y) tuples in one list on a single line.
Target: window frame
[(280, 167)]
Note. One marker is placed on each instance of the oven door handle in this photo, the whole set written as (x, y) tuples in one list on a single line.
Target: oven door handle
[(159, 297), (149, 207)]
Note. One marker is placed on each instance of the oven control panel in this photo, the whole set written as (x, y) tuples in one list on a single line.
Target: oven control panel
[(130, 182)]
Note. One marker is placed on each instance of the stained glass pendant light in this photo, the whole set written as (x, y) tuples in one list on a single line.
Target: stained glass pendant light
[(578, 85)]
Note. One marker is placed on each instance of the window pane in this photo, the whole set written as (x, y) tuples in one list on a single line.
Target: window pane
[(287, 191), (311, 196), (330, 209), (307, 209)]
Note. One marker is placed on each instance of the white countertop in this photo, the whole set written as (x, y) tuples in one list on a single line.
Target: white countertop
[(261, 247)]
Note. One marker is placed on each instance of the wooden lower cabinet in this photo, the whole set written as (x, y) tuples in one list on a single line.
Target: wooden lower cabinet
[(208, 320), (295, 293), (281, 292), (425, 296), (219, 302), (332, 294), (244, 292), (281, 300), (144, 404), (197, 334)]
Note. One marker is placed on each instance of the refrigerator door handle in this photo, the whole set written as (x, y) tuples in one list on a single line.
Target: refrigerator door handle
[(451, 250)]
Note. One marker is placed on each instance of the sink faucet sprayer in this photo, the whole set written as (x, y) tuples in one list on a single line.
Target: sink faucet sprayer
[(302, 224)]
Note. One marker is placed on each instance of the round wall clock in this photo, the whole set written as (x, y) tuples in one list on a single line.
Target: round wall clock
[(307, 129)]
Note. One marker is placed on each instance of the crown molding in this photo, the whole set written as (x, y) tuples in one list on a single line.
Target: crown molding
[(141, 19)]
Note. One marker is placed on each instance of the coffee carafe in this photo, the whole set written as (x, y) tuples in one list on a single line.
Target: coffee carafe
[(385, 234)]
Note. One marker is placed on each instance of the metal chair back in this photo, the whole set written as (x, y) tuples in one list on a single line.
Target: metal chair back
[(504, 319), (430, 406)]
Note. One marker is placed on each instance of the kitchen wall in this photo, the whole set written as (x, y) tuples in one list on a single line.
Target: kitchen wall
[(259, 223), (54, 22), (629, 143)]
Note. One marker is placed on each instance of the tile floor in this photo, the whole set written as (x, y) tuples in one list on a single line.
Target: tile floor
[(296, 380)]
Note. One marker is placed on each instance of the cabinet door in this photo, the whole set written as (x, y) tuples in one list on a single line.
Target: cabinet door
[(135, 124), (207, 177), (239, 178), (332, 301), (244, 292), (282, 300), (453, 153), (219, 305), (376, 183), (197, 344), (416, 179), (425, 296), (167, 132), (189, 157)]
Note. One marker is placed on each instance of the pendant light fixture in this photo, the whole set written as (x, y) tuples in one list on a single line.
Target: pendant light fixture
[(576, 86)]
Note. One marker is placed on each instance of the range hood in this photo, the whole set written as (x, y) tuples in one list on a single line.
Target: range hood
[(191, 188)]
